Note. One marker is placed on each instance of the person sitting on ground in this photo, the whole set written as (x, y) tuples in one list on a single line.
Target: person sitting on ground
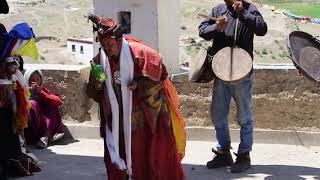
[(9, 137), (14, 160), (44, 118)]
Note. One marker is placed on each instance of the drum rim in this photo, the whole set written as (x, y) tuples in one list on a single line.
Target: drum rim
[(195, 74), (295, 59)]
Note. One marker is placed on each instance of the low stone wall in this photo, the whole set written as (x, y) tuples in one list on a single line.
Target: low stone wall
[(68, 81), (281, 98)]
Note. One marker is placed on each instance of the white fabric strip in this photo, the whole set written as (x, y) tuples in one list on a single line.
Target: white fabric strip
[(5, 82), (126, 75), (112, 138), (20, 43)]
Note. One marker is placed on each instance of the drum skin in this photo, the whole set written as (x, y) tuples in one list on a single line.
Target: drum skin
[(232, 64)]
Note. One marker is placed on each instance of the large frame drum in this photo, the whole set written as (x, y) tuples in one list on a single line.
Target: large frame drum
[(200, 67), (305, 52), (232, 64)]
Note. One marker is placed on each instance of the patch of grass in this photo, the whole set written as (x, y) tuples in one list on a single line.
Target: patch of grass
[(279, 2), (298, 7), (192, 50), (257, 52), (275, 1), (264, 51), (284, 54), (312, 10)]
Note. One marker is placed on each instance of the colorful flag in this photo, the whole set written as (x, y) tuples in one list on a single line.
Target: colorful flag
[(20, 41)]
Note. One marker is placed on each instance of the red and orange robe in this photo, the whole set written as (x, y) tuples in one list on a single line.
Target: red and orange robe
[(157, 126)]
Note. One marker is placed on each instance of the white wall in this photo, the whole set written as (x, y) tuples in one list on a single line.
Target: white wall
[(169, 31), (144, 24), (87, 55), (155, 22)]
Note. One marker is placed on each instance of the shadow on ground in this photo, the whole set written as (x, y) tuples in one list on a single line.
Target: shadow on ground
[(267, 172), (67, 167), (90, 166)]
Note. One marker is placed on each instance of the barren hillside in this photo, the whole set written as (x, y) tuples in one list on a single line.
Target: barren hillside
[(61, 19), (268, 49)]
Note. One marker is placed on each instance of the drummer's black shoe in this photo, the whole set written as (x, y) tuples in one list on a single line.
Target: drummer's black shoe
[(242, 163), (222, 158)]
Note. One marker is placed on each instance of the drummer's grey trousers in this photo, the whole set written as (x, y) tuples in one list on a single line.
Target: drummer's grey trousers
[(221, 98)]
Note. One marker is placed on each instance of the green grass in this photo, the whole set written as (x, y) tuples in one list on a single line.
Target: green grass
[(264, 51), (284, 1), (305, 10), (298, 7)]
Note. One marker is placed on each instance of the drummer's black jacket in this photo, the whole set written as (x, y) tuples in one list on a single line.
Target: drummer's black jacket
[(250, 22)]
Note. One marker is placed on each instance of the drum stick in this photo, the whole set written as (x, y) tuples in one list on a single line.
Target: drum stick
[(211, 18)]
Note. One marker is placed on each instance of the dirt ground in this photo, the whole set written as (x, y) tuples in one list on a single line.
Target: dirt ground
[(281, 100)]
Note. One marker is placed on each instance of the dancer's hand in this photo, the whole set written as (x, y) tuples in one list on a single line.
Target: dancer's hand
[(98, 85), (132, 85)]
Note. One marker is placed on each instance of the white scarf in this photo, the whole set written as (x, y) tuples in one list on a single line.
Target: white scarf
[(126, 76)]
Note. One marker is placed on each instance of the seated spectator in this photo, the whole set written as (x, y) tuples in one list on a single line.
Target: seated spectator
[(13, 161), (45, 121), (9, 139)]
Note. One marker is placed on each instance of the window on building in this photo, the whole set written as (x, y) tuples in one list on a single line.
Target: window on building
[(124, 18), (73, 48), (81, 50)]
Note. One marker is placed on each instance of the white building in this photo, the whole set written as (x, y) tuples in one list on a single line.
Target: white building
[(81, 48), (155, 22)]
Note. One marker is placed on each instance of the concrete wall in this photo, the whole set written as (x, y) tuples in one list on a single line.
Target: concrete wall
[(281, 99), (69, 82), (155, 22)]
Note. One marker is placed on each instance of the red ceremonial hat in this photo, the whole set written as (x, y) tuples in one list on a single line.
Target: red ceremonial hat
[(106, 26)]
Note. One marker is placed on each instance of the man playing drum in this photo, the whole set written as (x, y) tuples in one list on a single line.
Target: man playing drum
[(222, 31)]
